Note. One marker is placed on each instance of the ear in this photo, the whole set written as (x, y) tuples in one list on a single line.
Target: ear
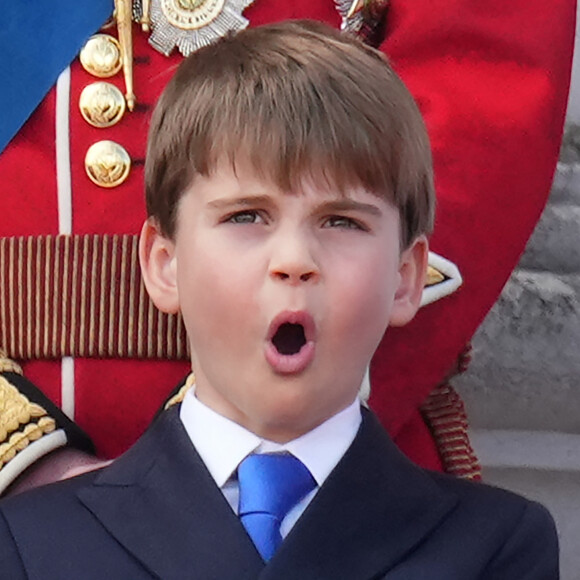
[(412, 276), (158, 267)]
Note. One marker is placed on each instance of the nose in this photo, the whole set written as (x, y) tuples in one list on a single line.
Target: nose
[(290, 275), (292, 261)]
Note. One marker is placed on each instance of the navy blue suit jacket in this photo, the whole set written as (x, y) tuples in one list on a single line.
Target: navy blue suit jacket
[(157, 513)]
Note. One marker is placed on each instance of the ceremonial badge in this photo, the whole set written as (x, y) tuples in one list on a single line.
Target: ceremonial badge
[(189, 24)]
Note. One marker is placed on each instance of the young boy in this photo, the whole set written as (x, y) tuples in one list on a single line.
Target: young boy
[(289, 189)]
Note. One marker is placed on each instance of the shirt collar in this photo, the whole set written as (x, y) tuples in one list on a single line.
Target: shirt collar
[(222, 444)]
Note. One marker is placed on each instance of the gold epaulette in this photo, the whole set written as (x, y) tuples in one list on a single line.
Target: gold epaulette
[(27, 431), (31, 425), (21, 421)]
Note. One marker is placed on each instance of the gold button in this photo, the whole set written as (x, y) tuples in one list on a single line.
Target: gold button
[(102, 104), (101, 56), (107, 164)]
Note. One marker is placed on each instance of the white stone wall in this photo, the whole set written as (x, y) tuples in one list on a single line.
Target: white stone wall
[(525, 372), (522, 390)]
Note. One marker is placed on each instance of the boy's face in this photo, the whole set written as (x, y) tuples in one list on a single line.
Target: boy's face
[(285, 297)]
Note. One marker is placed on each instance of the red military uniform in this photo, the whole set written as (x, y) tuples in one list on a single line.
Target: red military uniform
[(491, 80)]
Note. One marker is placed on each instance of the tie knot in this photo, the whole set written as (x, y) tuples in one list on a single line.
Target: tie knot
[(272, 484)]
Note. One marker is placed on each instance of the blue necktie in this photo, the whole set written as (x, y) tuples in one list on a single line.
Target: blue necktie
[(270, 485)]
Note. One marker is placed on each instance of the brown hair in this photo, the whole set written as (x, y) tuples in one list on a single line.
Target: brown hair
[(296, 99)]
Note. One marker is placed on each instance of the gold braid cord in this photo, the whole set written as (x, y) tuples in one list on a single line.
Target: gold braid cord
[(81, 296), (178, 397), (445, 415), (21, 422)]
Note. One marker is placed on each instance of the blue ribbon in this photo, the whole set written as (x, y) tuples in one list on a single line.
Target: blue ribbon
[(38, 40)]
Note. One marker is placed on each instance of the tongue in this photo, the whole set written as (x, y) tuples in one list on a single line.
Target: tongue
[(289, 338)]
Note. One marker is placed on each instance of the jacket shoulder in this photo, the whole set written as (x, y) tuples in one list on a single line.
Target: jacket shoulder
[(520, 534)]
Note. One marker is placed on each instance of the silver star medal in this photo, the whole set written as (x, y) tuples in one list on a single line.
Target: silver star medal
[(191, 24)]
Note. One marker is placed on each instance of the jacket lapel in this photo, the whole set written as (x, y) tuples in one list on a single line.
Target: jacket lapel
[(373, 510), (160, 502)]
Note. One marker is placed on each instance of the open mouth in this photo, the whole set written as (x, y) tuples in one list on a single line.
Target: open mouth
[(289, 338), (290, 345)]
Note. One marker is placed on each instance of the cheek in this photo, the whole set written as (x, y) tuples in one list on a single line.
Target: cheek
[(216, 294), (364, 301)]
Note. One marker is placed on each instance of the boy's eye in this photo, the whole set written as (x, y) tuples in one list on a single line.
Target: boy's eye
[(245, 217), (340, 221)]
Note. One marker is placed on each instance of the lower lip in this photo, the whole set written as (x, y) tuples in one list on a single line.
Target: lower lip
[(289, 364)]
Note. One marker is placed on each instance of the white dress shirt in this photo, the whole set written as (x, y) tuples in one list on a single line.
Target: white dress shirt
[(223, 444)]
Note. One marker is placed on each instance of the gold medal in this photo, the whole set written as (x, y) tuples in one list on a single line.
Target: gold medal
[(102, 104), (101, 56), (107, 164)]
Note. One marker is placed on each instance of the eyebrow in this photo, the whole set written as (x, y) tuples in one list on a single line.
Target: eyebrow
[(350, 205), (327, 206), (239, 201)]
